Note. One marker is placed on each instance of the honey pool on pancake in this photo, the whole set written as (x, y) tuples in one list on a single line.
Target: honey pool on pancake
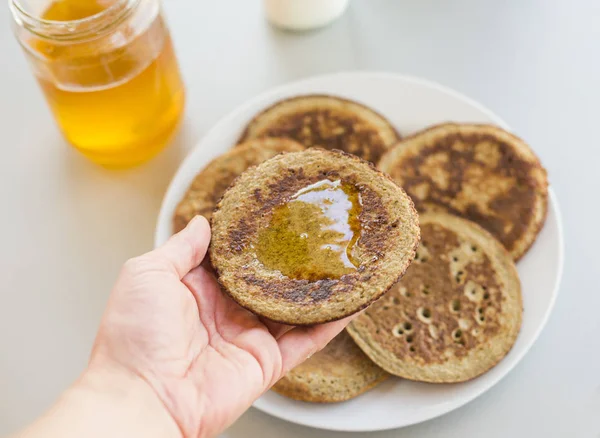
[(313, 235)]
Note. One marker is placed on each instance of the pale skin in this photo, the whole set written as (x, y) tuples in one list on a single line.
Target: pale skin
[(174, 356)]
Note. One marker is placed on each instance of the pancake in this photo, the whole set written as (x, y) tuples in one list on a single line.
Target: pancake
[(210, 184), (479, 172), (454, 315), (326, 121), (310, 237), (339, 372)]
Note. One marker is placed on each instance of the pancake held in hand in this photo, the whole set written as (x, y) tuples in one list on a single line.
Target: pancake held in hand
[(479, 172), (339, 372), (328, 122), (311, 237), (456, 312), (210, 184)]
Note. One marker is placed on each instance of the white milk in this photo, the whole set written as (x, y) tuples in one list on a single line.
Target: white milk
[(303, 14)]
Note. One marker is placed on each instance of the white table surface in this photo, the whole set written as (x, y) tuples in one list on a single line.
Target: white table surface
[(67, 225)]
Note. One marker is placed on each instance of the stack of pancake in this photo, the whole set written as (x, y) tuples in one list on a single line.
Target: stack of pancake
[(482, 196)]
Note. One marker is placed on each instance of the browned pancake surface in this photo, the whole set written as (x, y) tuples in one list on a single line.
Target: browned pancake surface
[(339, 372), (389, 235), (328, 122), (479, 172)]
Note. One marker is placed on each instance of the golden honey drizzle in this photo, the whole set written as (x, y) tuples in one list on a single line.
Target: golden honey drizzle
[(313, 235)]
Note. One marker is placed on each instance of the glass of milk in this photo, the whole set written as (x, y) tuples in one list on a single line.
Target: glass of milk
[(303, 14)]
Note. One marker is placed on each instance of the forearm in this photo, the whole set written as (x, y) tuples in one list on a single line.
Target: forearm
[(105, 405)]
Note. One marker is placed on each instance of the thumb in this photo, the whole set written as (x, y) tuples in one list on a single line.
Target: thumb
[(186, 249)]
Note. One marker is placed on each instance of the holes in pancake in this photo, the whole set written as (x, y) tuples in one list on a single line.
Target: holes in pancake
[(424, 315), (480, 317), (425, 289), (409, 339), (461, 257), (422, 254), (486, 293), (473, 291), (459, 277), (396, 300), (455, 306), (412, 349), (398, 331), (404, 328), (457, 335)]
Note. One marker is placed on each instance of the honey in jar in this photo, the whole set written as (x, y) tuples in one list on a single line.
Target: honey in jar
[(108, 71)]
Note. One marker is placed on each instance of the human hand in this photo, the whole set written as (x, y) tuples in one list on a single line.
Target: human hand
[(168, 325)]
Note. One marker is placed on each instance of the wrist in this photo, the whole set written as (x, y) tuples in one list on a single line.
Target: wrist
[(120, 404)]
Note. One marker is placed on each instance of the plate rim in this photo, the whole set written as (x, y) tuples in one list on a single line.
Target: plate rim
[(269, 93)]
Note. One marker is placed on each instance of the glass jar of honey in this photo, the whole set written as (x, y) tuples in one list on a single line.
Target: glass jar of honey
[(108, 71)]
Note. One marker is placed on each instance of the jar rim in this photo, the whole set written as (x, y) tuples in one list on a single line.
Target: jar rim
[(72, 29)]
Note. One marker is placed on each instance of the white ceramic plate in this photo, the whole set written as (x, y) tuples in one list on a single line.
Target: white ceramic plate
[(411, 104)]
